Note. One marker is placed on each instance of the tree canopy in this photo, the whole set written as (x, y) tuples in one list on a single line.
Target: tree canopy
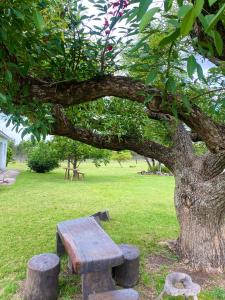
[(128, 75)]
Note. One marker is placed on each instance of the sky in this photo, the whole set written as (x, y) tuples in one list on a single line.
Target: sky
[(17, 136)]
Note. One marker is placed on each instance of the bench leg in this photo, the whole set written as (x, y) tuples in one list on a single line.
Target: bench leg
[(97, 282), (70, 267), (60, 249)]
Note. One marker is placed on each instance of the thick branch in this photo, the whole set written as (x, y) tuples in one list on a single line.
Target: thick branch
[(63, 127), (183, 146), (213, 164), (72, 93), (68, 93)]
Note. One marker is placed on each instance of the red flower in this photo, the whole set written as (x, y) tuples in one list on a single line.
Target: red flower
[(120, 13), (125, 4), (115, 4), (107, 32), (109, 47), (106, 24)]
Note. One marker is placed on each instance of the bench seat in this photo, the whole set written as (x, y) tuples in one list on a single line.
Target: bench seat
[(89, 247), (127, 294)]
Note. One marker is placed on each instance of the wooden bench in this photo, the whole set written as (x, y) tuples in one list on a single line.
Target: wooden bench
[(92, 253), (75, 174)]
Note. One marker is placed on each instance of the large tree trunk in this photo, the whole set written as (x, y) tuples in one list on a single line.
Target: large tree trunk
[(201, 216), (200, 206)]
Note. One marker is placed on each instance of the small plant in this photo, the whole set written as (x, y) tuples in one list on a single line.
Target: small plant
[(42, 158)]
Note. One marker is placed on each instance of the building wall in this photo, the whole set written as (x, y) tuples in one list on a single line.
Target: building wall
[(3, 153)]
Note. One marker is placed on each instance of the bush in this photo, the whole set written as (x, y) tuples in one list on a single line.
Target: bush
[(9, 154), (42, 158), (156, 169)]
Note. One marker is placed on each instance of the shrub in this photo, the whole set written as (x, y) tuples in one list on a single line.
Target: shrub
[(9, 154), (42, 158)]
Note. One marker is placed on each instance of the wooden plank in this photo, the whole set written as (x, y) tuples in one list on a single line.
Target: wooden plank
[(88, 245)]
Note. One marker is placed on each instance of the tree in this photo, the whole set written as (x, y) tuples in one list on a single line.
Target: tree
[(75, 152), (121, 156), (22, 150), (10, 150), (42, 158), (55, 77)]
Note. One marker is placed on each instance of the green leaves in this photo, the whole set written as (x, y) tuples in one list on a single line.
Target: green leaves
[(191, 65), (189, 18), (216, 18), (8, 76), (171, 85), (170, 38), (3, 98), (151, 76), (143, 7), (148, 17), (211, 2), (218, 42), (38, 20), (168, 4)]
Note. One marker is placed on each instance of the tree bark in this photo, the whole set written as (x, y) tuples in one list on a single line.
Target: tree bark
[(200, 206), (148, 162), (200, 211)]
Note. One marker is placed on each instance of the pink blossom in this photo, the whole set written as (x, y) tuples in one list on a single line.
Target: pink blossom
[(106, 24), (109, 47)]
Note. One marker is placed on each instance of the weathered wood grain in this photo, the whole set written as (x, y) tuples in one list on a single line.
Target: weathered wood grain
[(89, 247), (42, 277)]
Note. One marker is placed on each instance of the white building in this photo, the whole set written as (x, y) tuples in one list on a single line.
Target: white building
[(3, 150)]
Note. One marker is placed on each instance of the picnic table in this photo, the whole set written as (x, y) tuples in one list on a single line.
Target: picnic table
[(92, 254), (75, 174)]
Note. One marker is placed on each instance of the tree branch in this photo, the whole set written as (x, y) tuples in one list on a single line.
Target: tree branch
[(63, 127), (69, 93), (213, 165)]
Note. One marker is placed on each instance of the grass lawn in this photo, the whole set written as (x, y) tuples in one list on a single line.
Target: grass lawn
[(141, 208)]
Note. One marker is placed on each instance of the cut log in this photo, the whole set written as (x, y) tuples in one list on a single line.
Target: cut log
[(102, 215), (42, 277), (97, 282), (126, 275), (128, 294)]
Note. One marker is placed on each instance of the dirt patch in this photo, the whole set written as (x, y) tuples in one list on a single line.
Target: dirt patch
[(156, 262), (20, 291)]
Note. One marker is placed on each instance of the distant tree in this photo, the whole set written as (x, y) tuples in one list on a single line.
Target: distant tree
[(22, 149), (42, 158), (10, 151), (75, 152), (121, 156)]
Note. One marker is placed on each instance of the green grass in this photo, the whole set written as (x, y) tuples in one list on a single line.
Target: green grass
[(141, 208)]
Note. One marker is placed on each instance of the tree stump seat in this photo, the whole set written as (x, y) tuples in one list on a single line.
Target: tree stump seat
[(92, 253), (42, 277), (126, 274), (127, 294), (190, 289)]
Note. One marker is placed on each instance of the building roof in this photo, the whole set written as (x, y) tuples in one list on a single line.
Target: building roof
[(5, 136)]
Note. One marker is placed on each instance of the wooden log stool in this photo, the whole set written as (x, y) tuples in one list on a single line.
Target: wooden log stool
[(42, 277), (126, 275), (128, 294)]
